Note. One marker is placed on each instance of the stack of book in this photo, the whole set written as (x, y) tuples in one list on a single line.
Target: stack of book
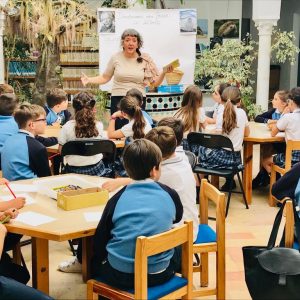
[(22, 68), (176, 88)]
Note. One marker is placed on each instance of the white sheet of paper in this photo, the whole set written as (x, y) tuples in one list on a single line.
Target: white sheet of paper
[(33, 218), (92, 216), (29, 188), (29, 200)]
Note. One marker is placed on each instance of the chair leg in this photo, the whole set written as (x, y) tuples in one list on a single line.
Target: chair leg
[(204, 270), (229, 195), (242, 188), (72, 247)]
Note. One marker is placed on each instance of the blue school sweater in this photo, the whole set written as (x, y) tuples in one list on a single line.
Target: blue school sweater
[(8, 127), (24, 157), (52, 116), (142, 208)]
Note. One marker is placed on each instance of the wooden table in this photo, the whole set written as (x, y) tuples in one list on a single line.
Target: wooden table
[(54, 131), (259, 134), (68, 225)]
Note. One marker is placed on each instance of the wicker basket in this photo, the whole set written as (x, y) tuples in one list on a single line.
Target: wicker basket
[(174, 77)]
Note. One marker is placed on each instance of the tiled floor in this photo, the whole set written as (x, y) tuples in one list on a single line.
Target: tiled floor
[(243, 227)]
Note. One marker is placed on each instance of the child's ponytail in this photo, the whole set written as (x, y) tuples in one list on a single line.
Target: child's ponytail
[(130, 106), (85, 124), (232, 96)]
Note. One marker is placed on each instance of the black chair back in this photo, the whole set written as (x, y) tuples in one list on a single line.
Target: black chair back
[(89, 147), (209, 140)]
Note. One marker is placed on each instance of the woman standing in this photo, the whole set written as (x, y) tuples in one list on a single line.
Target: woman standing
[(130, 69)]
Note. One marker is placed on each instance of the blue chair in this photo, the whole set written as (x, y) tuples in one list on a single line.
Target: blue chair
[(209, 240), (176, 287)]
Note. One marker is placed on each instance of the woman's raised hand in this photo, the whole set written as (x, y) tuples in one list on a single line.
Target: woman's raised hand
[(84, 79)]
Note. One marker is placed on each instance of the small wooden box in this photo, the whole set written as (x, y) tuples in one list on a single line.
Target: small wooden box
[(71, 200)]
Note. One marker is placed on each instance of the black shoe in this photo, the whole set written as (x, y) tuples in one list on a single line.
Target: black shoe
[(262, 179), (225, 187)]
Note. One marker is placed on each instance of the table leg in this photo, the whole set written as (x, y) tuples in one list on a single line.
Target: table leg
[(247, 178), (86, 257), (40, 264)]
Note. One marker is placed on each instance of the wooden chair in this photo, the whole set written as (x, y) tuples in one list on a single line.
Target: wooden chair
[(289, 223), (175, 288), (290, 146), (209, 240)]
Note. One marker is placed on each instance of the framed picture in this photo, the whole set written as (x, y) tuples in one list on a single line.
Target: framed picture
[(202, 28), (188, 20), (107, 21), (228, 29)]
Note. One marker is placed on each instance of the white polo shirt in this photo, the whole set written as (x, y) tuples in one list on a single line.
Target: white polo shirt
[(177, 173), (127, 129), (289, 123), (236, 135)]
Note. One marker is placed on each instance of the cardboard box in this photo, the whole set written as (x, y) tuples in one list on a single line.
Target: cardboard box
[(48, 185), (70, 200)]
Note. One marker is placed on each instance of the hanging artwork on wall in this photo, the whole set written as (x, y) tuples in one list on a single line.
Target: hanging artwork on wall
[(188, 20), (202, 28), (228, 29)]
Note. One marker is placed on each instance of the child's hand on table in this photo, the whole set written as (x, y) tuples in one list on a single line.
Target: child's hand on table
[(3, 181), (18, 202)]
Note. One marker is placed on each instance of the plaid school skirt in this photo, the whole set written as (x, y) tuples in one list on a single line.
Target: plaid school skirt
[(193, 148), (97, 169), (219, 158), (279, 159)]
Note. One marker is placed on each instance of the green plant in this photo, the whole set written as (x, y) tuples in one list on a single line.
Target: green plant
[(283, 46), (101, 101)]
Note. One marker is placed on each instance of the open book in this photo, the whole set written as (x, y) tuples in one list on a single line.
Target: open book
[(175, 64)]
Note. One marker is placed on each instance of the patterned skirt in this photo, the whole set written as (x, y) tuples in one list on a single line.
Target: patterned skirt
[(279, 159), (97, 169), (193, 148), (219, 159)]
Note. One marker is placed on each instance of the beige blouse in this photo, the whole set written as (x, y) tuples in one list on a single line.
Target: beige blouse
[(128, 73)]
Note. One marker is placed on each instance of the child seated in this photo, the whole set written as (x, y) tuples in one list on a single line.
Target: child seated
[(137, 127), (135, 93), (56, 107), (191, 113), (24, 157), (289, 123), (8, 104), (84, 126), (219, 106), (280, 107), (144, 207), (176, 173)]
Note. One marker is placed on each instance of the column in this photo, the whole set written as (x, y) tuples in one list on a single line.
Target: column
[(264, 57), (2, 26)]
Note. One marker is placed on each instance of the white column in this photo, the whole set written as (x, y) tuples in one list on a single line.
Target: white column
[(2, 26), (264, 57)]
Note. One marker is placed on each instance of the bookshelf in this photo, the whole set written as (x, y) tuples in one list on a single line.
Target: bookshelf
[(74, 61)]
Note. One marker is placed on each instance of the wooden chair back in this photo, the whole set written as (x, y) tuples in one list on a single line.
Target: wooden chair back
[(209, 192), (148, 246), (290, 147)]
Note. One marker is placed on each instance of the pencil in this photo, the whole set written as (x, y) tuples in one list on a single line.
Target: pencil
[(10, 190), (5, 220)]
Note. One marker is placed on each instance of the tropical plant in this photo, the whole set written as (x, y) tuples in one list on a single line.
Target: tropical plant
[(48, 25)]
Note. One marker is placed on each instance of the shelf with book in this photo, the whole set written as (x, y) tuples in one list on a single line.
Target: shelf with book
[(74, 61)]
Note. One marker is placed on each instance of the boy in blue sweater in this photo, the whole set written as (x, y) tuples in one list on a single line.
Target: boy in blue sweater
[(56, 107), (144, 207), (8, 126), (23, 156)]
